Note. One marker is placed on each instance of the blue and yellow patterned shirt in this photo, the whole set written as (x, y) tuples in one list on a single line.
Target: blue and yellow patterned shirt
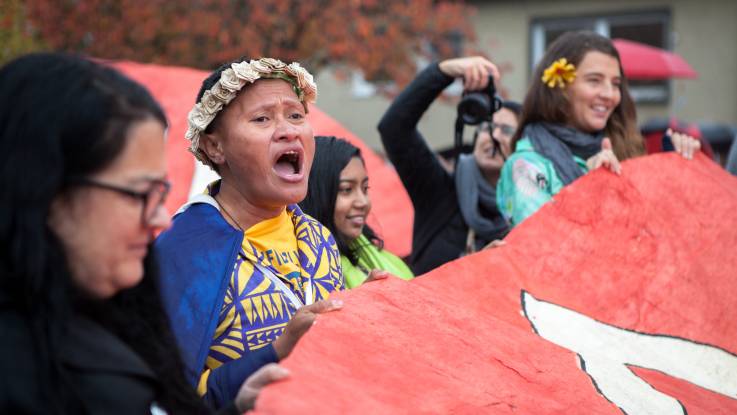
[(256, 309)]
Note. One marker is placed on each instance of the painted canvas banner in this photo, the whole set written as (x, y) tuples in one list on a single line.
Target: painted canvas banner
[(617, 297)]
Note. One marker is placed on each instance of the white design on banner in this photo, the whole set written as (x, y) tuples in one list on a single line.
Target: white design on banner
[(606, 351)]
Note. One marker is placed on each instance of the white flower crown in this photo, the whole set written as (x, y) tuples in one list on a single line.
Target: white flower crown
[(233, 80)]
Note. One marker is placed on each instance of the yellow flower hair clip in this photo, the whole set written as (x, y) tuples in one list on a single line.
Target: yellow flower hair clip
[(559, 73)]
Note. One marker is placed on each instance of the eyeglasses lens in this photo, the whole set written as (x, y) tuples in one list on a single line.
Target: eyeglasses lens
[(506, 129), (155, 198)]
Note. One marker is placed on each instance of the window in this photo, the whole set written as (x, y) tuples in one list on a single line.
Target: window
[(650, 27)]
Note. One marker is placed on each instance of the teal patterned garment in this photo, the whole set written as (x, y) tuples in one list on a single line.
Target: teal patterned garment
[(528, 180)]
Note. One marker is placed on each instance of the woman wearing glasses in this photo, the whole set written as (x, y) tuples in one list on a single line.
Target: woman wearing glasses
[(455, 213), (83, 183)]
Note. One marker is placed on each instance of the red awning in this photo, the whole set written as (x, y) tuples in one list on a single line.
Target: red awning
[(641, 61)]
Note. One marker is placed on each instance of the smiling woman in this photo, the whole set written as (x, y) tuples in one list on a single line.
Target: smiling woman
[(578, 115), (244, 270), (338, 196)]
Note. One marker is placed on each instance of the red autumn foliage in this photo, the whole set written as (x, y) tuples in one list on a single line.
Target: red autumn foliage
[(380, 37)]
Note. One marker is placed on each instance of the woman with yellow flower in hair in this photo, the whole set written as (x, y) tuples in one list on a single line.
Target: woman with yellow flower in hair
[(577, 116)]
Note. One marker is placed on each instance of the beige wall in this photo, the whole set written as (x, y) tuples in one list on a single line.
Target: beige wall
[(707, 38), (361, 116), (704, 33)]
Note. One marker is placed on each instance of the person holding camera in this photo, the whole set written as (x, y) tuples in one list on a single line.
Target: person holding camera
[(455, 213)]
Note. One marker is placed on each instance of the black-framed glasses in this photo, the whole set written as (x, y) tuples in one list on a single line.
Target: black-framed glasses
[(152, 199)]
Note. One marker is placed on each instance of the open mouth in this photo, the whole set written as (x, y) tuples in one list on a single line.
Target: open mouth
[(289, 163)]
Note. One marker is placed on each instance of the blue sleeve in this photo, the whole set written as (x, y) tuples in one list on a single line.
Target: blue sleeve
[(195, 257), (224, 382)]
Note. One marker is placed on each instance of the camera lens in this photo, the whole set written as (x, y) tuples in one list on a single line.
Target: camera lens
[(474, 108)]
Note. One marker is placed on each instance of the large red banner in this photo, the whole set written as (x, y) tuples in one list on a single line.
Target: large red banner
[(618, 296)]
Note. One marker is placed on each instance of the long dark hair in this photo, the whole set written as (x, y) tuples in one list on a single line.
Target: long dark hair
[(63, 116), (332, 154), (551, 105)]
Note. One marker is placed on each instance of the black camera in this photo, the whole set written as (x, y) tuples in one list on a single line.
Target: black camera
[(478, 106)]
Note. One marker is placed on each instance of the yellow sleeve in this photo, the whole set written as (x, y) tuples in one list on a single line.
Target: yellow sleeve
[(202, 385)]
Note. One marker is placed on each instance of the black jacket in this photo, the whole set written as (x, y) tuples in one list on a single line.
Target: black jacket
[(439, 231), (107, 375)]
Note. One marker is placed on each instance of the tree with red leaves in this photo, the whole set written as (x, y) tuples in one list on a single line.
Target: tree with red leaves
[(382, 38)]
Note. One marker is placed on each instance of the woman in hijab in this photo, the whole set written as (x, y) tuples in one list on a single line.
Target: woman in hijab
[(338, 197)]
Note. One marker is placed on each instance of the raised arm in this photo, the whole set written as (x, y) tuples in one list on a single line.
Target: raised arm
[(420, 171), (415, 162)]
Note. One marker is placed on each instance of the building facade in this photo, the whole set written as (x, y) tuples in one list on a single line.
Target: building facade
[(514, 35)]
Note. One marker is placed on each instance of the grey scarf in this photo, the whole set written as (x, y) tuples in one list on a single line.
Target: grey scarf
[(473, 192), (559, 144)]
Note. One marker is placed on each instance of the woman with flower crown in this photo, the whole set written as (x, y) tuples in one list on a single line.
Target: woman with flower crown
[(244, 271), (577, 116)]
